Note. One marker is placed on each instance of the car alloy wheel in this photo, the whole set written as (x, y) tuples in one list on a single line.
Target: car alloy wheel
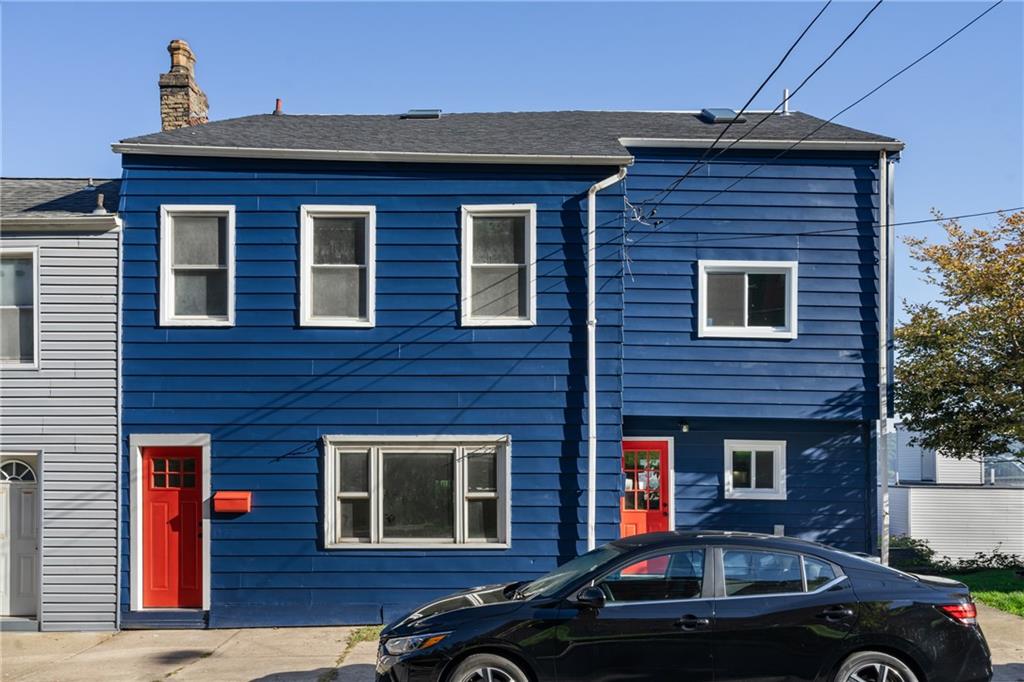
[(487, 674), (487, 668), (875, 672)]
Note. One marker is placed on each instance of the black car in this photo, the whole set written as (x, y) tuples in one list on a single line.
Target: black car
[(697, 607)]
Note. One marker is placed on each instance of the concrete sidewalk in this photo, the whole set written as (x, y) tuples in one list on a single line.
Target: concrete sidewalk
[(285, 654)]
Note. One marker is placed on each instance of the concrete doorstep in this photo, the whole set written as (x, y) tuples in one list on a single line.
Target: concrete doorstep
[(330, 654)]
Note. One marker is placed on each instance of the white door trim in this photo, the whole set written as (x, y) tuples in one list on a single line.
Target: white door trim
[(136, 442), (671, 442)]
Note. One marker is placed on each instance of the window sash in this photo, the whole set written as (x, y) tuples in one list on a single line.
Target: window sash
[(23, 360), (366, 271), (778, 455), (789, 269), (170, 271), (461, 496), (525, 291)]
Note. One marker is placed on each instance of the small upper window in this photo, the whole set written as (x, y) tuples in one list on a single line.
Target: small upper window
[(755, 469), (19, 303), (197, 256), (748, 299), (338, 266), (498, 268), (16, 470)]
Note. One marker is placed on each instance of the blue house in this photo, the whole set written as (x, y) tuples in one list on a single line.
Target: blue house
[(370, 360)]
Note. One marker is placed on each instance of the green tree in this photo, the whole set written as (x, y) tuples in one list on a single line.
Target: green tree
[(960, 359)]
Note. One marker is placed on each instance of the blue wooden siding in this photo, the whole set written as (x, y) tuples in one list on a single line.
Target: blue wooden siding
[(266, 389), (815, 209), (829, 478)]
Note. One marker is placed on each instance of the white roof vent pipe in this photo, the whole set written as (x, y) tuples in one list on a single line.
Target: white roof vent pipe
[(785, 102)]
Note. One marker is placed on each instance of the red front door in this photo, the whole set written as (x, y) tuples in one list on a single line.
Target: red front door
[(645, 501), (172, 523)]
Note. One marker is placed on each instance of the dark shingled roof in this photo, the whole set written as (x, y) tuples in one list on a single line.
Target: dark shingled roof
[(557, 133), (55, 197)]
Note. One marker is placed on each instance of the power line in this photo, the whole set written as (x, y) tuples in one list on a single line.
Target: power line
[(700, 162), (825, 123), (739, 115), (833, 230)]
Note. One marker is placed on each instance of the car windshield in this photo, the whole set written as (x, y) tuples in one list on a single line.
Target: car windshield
[(549, 584)]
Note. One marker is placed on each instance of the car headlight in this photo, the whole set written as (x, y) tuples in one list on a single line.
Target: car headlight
[(403, 645)]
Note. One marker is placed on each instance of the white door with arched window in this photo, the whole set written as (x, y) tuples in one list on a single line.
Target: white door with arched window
[(19, 537)]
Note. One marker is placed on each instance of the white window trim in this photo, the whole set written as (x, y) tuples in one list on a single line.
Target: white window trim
[(787, 267), (469, 211), (167, 316), (307, 213), (33, 253), (136, 443), (778, 447), (335, 443)]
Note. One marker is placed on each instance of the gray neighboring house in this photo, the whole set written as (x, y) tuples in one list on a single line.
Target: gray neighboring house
[(59, 368)]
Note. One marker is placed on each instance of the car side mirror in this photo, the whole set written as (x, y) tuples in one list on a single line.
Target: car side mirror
[(591, 598)]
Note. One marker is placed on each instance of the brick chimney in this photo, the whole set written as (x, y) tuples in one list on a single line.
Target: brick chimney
[(182, 102)]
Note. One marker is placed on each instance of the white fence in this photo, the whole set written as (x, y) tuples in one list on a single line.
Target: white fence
[(959, 521)]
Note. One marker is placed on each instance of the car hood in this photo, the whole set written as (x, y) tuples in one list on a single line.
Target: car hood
[(470, 602)]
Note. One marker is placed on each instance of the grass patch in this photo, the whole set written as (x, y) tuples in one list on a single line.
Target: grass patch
[(1000, 588), (366, 633)]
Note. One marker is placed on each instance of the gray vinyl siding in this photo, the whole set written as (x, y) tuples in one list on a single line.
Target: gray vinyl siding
[(67, 411)]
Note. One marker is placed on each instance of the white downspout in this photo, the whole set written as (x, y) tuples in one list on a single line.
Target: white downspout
[(883, 351), (592, 353)]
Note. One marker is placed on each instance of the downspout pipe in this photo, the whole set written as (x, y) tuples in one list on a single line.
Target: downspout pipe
[(884, 245), (592, 352)]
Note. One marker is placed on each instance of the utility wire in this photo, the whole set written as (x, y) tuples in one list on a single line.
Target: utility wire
[(878, 87), (700, 163), (696, 164)]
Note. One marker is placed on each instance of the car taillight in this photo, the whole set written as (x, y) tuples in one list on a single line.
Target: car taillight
[(961, 613)]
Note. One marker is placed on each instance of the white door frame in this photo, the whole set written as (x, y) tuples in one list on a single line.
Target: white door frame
[(671, 443), (35, 458), (136, 442)]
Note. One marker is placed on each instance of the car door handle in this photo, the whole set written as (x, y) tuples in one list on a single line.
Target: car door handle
[(691, 622), (836, 613)]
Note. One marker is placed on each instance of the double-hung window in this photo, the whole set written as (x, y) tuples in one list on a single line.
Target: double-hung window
[(19, 309), (197, 265), (337, 264), (755, 469), (416, 491), (747, 299), (499, 245)]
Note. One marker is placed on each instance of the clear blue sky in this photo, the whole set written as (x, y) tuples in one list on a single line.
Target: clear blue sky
[(76, 77)]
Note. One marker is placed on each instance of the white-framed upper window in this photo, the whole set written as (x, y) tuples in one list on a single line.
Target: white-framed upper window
[(19, 308), (197, 265), (499, 271), (755, 469), (747, 299), (416, 491), (338, 247)]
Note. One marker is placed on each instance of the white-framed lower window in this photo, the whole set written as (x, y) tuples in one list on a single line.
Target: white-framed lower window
[(19, 308), (416, 491), (747, 299), (338, 247), (499, 271), (755, 469), (197, 265)]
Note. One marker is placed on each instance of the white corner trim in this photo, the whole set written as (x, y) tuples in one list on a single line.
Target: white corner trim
[(778, 447), (365, 155), (307, 212), (754, 143), (136, 442), (33, 253), (166, 294), (469, 212), (790, 268), (671, 443)]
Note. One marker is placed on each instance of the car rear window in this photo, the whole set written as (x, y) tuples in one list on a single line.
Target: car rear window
[(818, 573), (750, 572)]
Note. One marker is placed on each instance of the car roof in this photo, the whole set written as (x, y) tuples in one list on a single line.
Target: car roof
[(720, 537)]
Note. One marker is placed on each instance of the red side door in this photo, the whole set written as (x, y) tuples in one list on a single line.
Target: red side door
[(645, 500), (172, 523)]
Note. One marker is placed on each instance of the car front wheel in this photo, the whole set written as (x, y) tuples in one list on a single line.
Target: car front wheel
[(487, 668), (874, 666)]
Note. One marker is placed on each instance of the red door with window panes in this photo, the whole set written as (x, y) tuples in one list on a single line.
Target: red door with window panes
[(645, 499), (172, 523)]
